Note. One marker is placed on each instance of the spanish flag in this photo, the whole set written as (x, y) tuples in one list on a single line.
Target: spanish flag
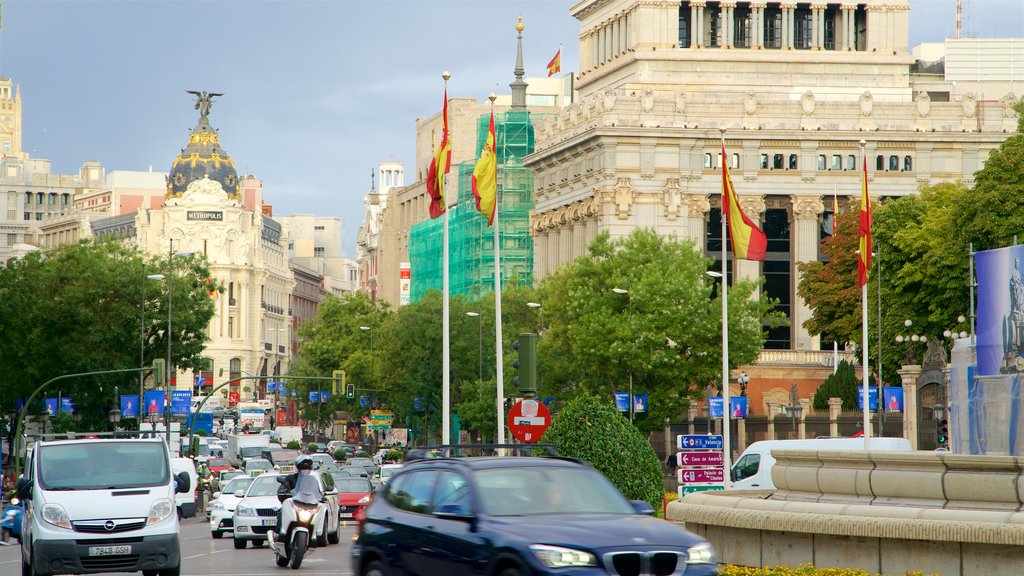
[(485, 177), (555, 66), (439, 166), (864, 257), (748, 241)]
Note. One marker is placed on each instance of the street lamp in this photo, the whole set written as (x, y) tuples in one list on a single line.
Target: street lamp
[(369, 332), (142, 343), (480, 353), (115, 412), (910, 339), (743, 380), (626, 293), (793, 409), (170, 303)]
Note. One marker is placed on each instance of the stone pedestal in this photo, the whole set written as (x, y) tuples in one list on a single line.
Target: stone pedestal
[(805, 403), (741, 435), (908, 379), (834, 406), (773, 409), (691, 416)]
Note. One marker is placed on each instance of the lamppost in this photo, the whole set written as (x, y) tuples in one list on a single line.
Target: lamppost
[(626, 293), (369, 332), (115, 412), (537, 306), (142, 343), (480, 353), (910, 339), (793, 409), (743, 380), (170, 334)]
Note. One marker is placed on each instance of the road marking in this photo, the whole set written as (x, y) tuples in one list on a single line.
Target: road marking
[(191, 557), (10, 561)]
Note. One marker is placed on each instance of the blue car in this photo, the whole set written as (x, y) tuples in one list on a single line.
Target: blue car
[(517, 516)]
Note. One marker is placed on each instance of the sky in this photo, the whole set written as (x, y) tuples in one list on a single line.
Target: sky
[(316, 93)]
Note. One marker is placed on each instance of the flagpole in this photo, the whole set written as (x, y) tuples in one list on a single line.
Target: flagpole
[(499, 353), (446, 426), (726, 404), (864, 321)]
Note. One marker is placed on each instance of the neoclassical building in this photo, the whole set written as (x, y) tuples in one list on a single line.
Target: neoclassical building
[(793, 87)]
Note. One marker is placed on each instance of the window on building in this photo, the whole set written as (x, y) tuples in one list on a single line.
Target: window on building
[(772, 28), (908, 163), (318, 227), (684, 26), (707, 160), (7, 146), (792, 162), (764, 161), (734, 161), (28, 216), (851, 162), (837, 162), (778, 162), (39, 198), (28, 198), (39, 216), (879, 163), (803, 35), (821, 162), (318, 251), (894, 163), (714, 28), (742, 25), (830, 16)]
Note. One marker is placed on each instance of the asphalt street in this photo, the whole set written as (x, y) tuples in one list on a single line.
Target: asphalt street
[(204, 556)]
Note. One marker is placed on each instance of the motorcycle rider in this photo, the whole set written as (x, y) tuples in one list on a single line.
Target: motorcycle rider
[(301, 484)]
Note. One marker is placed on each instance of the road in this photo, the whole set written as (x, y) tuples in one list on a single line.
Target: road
[(204, 556)]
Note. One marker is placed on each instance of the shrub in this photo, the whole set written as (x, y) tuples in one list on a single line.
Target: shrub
[(339, 455), (362, 454), (294, 445), (394, 456), (311, 448), (593, 430), (200, 432)]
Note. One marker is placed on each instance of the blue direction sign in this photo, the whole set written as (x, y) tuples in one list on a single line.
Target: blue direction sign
[(699, 442), (684, 490)]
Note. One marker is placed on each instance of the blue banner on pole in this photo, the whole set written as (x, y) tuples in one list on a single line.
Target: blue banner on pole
[(417, 403), (738, 403), (893, 398), (51, 406), (640, 403), (314, 396), (364, 400), (872, 398), (129, 408), (154, 400), (181, 400), (622, 401), (66, 405), (271, 386), (324, 396)]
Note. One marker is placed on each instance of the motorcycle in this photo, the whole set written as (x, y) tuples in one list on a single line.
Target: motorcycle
[(299, 522), (10, 524)]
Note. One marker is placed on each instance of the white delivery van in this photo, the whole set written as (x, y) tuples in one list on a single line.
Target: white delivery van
[(96, 506), (185, 502), (753, 469)]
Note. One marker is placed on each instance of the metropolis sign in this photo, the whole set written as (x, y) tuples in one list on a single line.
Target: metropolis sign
[(205, 215)]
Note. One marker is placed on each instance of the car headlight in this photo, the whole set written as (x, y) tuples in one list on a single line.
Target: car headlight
[(702, 553), (558, 557), (160, 511), (217, 505), (56, 514), (364, 500), (245, 510)]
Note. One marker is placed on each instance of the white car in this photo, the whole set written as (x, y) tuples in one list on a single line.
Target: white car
[(256, 513), (222, 508), (383, 473)]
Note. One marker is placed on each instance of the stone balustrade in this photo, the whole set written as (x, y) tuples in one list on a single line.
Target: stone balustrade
[(884, 512)]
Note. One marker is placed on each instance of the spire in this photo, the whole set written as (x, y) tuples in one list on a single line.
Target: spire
[(373, 189), (519, 85)]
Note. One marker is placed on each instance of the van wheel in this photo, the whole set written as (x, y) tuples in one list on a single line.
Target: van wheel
[(26, 567), (150, 573), (217, 534), (321, 538), (334, 537), (239, 543), (374, 568), (176, 571)]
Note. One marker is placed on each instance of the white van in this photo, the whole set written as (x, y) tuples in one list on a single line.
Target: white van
[(186, 501), (753, 469), (96, 506)]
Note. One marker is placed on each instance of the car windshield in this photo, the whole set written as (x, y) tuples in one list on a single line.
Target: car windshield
[(339, 475), (284, 456), (217, 462), (263, 486), (385, 472), (353, 485), (533, 490), (236, 484), (258, 465), (96, 464), (359, 462), (250, 451)]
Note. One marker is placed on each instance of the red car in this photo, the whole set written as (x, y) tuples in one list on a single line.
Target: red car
[(218, 465), (353, 495)]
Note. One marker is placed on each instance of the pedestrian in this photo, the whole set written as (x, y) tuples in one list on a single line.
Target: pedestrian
[(672, 461)]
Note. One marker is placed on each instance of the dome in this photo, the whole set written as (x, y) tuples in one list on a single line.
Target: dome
[(203, 157)]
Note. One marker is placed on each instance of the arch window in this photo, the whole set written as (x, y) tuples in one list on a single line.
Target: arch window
[(908, 163), (880, 163), (792, 162)]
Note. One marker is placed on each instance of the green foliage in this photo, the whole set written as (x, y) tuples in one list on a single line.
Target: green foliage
[(362, 454), (200, 433), (62, 422), (843, 384), (595, 431), (294, 445), (394, 455), (194, 446), (339, 455), (311, 448)]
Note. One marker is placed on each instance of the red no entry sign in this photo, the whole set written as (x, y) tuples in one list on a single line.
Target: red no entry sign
[(528, 419)]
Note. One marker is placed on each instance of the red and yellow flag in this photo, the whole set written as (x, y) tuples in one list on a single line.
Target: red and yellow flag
[(748, 241), (485, 177), (439, 166), (864, 256), (555, 66)]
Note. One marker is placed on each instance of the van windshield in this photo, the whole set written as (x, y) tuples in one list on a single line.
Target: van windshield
[(250, 451), (98, 464)]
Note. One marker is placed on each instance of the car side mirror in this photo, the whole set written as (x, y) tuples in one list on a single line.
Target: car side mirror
[(184, 483), (454, 512), (23, 488), (216, 495), (239, 493), (642, 507)]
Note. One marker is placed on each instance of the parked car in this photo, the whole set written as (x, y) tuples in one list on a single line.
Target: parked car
[(365, 463), (353, 495), (383, 474), (222, 508), (255, 466), (518, 515), (323, 461), (256, 513), (335, 445)]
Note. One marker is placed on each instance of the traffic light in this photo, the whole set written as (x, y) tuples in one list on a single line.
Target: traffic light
[(526, 364), (942, 432), (337, 381), (350, 390)]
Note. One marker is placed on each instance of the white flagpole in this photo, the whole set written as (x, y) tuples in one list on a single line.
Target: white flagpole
[(499, 353), (726, 404), (446, 426), (864, 320)]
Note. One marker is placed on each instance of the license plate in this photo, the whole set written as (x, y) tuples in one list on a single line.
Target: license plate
[(270, 522), (345, 515), (109, 550)]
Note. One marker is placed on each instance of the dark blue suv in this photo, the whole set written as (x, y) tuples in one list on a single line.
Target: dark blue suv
[(517, 516)]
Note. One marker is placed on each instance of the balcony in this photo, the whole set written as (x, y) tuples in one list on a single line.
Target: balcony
[(272, 308), (804, 358)]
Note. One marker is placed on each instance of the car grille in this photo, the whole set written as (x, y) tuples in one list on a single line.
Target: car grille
[(260, 529), (272, 512), (655, 563), (108, 526), (108, 541), (111, 563)]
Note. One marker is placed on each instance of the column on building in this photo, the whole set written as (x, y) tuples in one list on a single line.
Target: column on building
[(753, 207), (728, 25), (815, 19), (847, 32), (787, 25), (757, 24), (552, 244), (579, 236), (540, 253), (564, 239), (591, 228), (698, 206), (698, 23), (804, 248), (872, 42), (694, 38)]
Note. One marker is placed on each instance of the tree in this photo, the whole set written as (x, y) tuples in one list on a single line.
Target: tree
[(842, 384), (664, 333), (593, 430), (830, 288)]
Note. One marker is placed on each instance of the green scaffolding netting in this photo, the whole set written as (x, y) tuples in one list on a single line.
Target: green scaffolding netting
[(471, 241)]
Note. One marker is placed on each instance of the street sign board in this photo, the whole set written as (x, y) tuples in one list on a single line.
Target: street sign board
[(684, 490), (528, 419), (700, 459), (699, 442), (701, 475)]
